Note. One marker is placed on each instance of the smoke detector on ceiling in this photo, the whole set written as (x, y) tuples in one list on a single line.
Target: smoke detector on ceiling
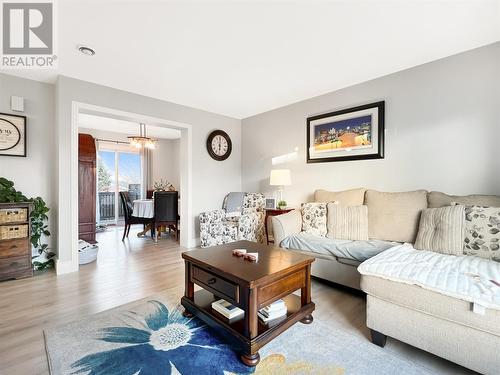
[(86, 50)]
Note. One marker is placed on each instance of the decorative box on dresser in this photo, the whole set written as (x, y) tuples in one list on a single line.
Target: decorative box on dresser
[(15, 244)]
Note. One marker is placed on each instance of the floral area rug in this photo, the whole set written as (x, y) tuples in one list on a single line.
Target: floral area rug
[(152, 337)]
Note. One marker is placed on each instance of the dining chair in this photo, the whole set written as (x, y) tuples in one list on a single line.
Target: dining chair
[(128, 209), (166, 211)]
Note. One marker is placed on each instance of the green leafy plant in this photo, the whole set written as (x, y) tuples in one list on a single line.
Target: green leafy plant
[(282, 204), (38, 220)]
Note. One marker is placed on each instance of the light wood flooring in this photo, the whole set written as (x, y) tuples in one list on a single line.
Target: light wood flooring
[(128, 271)]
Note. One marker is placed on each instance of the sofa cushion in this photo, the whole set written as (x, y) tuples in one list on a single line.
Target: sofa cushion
[(325, 248), (442, 230), (394, 216), (314, 218), (437, 199), (432, 303), (347, 222), (482, 232), (352, 197)]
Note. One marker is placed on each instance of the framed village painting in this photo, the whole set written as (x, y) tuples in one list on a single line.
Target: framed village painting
[(350, 134), (12, 135)]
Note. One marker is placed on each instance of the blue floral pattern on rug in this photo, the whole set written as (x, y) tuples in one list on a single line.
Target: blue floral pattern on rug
[(162, 343)]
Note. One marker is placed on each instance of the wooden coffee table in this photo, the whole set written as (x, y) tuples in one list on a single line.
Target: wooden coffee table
[(250, 286)]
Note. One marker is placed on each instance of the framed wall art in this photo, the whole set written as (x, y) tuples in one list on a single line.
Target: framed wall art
[(350, 134), (12, 135), (270, 203)]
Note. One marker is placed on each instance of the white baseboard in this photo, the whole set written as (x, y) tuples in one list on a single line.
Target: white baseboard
[(67, 266), (193, 242)]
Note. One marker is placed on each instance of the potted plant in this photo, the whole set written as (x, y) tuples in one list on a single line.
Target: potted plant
[(282, 205)]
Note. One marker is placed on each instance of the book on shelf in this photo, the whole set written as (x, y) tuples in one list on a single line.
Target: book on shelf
[(275, 306), (227, 309), (273, 311), (270, 321)]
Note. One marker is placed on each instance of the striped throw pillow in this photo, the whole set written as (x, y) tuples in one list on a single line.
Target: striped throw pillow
[(442, 230), (347, 222)]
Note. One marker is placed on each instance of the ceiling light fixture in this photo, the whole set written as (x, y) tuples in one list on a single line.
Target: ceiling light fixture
[(142, 140), (86, 50)]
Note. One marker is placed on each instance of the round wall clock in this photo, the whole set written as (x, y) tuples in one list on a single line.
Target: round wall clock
[(219, 145)]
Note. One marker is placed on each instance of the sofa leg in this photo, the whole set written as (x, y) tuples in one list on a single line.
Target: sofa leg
[(378, 338)]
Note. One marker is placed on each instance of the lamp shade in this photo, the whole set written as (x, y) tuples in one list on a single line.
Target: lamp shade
[(280, 177)]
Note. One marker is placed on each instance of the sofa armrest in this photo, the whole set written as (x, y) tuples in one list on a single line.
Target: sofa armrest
[(251, 227), (212, 216), (286, 225)]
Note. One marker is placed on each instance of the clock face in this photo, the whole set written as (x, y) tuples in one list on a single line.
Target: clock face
[(219, 145)]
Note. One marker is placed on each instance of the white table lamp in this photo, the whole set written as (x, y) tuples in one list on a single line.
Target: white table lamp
[(281, 178)]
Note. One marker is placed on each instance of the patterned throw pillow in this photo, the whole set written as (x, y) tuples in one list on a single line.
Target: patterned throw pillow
[(314, 218), (442, 230), (482, 232)]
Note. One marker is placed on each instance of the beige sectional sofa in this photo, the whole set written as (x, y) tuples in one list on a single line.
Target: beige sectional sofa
[(432, 321), (392, 217)]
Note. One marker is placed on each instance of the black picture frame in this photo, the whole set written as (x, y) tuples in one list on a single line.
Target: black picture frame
[(377, 154), (20, 152)]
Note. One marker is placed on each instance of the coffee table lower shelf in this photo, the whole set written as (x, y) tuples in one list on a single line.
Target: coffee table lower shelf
[(201, 307)]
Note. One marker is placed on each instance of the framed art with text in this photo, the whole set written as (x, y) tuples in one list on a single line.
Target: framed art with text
[(12, 135), (270, 203), (350, 134)]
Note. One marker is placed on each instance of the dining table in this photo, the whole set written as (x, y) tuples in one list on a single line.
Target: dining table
[(144, 208)]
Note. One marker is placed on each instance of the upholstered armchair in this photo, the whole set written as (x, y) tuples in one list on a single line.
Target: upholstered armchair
[(216, 228)]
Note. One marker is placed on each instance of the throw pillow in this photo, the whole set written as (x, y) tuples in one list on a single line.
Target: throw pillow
[(442, 230), (482, 232), (347, 222), (352, 197), (314, 218), (395, 216)]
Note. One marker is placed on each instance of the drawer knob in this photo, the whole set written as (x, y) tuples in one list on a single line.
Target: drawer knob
[(211, 281)]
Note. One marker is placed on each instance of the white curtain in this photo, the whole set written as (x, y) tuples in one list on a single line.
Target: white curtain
[(146, 170)]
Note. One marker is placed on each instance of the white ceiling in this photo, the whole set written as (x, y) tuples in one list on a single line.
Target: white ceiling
[(240, 58), (90, 121)]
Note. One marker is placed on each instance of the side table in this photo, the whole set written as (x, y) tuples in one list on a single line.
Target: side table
[(273, 212)]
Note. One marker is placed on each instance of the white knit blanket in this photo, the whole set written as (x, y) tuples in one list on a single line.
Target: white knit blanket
[(468, 278)]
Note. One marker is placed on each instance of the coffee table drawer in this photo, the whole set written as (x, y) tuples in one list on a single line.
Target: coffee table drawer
[(216, 284)]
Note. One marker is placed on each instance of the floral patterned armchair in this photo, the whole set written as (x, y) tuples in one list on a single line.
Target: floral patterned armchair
[(217, 229)]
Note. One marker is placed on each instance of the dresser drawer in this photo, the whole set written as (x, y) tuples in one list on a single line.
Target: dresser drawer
[(216, 284), (13, 215), (12, 265), (9, 232), (15, 248)]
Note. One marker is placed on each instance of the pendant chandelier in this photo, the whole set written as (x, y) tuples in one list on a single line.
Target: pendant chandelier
[(142, 140)]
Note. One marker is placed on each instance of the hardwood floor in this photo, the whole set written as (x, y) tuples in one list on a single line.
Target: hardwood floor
[(131, 270)]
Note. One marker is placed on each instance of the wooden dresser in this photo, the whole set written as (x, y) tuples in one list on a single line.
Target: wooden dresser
[(15, 244)]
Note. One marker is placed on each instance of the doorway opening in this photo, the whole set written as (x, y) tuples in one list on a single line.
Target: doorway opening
[(122, 168)]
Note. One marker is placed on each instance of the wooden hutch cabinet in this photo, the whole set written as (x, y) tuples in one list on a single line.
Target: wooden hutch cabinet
[(86, 188)]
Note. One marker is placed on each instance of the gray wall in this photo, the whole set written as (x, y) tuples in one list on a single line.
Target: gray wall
[(33, 175), (165, 162), (442, 132)]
